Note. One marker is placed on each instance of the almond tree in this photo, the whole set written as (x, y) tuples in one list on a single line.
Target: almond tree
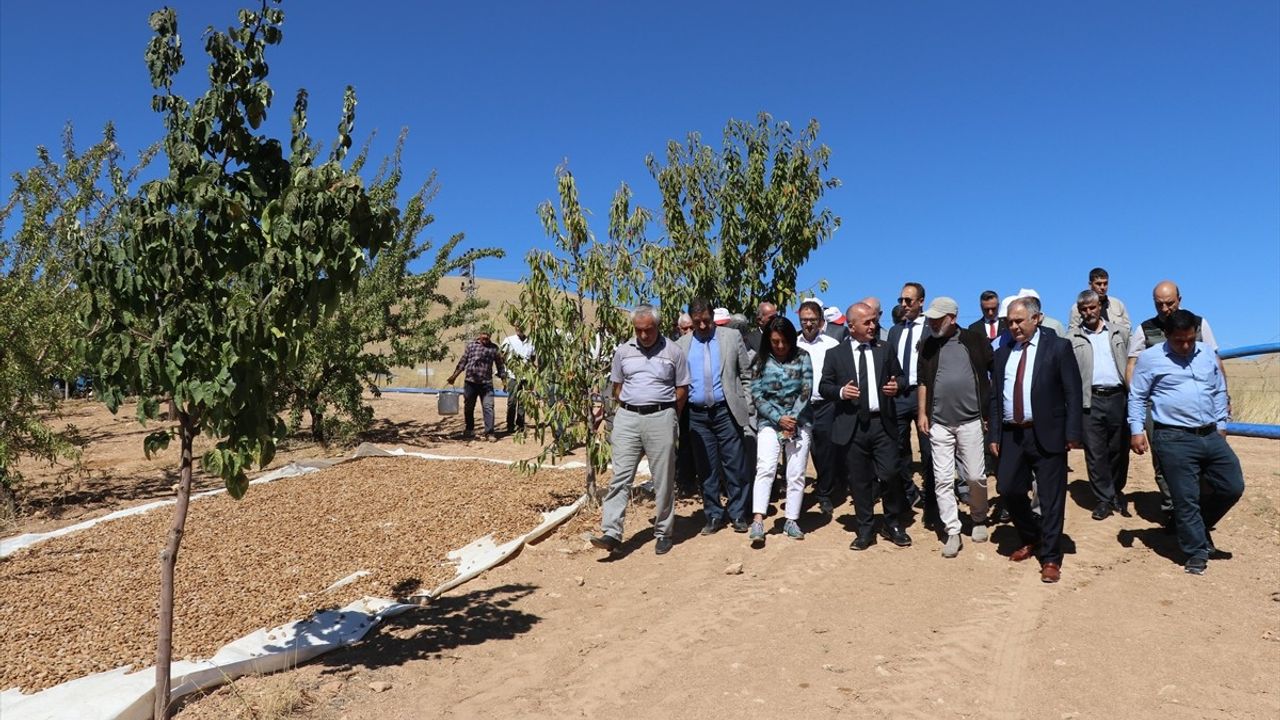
[(223, 266), (572, 308), (56, 203)]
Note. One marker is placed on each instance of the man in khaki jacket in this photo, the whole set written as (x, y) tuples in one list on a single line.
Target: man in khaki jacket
[(1101, 348)]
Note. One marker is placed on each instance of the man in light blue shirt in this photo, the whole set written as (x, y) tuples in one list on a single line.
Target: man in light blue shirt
[(718, 410), (1183, 382)]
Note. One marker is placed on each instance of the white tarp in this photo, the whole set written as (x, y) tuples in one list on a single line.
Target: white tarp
[(121, 694)]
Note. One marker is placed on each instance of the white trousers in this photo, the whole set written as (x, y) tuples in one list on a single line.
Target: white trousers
[(959, 446), (769, 446)]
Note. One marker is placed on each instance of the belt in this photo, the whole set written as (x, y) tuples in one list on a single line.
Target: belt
[(647, 409), (1019, 426), (1201, 431), (709, 408), (1105, 390)]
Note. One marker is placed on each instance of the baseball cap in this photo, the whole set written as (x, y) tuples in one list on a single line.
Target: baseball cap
[(720, 316), (833, 315), (942, 306)]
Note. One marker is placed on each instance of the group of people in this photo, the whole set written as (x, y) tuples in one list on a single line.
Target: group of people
[(1006, 397)]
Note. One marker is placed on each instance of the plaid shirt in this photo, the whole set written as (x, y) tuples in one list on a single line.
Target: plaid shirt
[(478, 359)]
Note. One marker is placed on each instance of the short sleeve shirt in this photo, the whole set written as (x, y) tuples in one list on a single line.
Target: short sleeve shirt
[(649, 376)]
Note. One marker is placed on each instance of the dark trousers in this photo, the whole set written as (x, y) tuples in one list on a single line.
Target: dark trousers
[(515, 408), (686, 468), (484, 391), (872, 453), (827, 460), (1187, 459), (718, 452), (906, 409), (1019, 458), (1166, 498), (1106, 447)]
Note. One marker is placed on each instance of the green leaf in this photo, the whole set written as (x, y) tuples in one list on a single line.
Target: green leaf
[(156, 442)]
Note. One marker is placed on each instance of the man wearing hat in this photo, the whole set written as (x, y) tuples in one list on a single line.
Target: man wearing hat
[(954, 372), (718, 411), (836, 327)]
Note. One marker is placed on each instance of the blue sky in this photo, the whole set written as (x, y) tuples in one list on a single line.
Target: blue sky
[(980, 144)]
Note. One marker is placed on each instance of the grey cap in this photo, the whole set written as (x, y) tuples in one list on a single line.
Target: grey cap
[(942, 306)]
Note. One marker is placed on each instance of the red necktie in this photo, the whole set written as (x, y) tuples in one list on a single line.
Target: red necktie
[(1017, 387), (991, 331)]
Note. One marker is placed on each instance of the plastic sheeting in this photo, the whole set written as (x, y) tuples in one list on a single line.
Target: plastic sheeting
[(122, 694)]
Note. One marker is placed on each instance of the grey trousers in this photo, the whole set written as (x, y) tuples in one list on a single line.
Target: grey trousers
[(654, 436)]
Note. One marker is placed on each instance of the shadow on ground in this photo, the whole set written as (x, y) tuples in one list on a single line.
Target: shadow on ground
[(444, 624)]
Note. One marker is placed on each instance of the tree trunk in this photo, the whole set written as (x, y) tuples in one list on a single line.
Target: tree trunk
[(317, 426), (168, 560)]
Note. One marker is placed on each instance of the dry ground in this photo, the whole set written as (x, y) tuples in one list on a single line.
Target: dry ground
[(809, 628)]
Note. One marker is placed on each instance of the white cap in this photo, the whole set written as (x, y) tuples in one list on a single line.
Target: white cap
[(720, 316), (1028, 292), (833, 315), (1004, 304)]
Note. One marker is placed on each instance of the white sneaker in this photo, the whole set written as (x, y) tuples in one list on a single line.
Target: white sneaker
[(980, 533), (952, 548)]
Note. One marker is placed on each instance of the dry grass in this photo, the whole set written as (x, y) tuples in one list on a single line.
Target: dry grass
[(1255, 389)]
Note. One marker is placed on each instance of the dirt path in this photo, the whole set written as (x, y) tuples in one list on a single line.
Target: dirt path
[(811, 629)]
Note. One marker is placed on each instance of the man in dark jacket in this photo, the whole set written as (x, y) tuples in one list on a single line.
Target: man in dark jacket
[(954, 387), (1036, 412), (861, 376)]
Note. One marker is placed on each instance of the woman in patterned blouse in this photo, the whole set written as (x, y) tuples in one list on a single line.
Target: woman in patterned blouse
[(781, 391)]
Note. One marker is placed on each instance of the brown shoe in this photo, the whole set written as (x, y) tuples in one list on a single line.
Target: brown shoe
[(1050, 573), (1023, 553)]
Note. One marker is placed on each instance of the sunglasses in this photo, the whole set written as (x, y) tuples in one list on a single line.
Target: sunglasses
[(907, 301)]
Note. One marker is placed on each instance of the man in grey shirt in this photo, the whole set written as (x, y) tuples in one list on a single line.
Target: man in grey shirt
[(650, 379), (954, 367)]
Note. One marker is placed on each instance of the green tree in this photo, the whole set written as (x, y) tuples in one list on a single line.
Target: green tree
[(740, 222), (223, 266), (56, 203), (572, 310), (394, 316)]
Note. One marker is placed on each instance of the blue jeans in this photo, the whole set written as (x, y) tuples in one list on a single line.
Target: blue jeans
[(717, 449), (1186, 458)]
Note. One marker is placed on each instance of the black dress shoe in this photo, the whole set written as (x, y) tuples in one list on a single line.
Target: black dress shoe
[(712, 527), (1214, 552), (663, 546), (825, 507), (896, 535), (1102, 512), (862, 542), (1122, 507), (607, 542), (741, 526)]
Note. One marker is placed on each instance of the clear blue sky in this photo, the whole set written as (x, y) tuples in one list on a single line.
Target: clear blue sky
[(981, 144)]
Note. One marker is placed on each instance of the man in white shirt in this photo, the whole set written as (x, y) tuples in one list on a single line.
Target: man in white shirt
[(515, 349), (826, 455), (904, 341)]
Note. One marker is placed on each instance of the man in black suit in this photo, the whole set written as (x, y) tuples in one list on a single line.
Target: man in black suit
[(1036, 416), (990, 325), (861, 376), (904, 341)]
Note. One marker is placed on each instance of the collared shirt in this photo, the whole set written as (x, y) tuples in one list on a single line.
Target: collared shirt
[(1138, 339), (817, 355), (991, 328), (916, 336), (649, 376), (1104, 363), (1011, 376), (1184, 391), (873, 401), (478, 360), (698, 348), (516, 349)]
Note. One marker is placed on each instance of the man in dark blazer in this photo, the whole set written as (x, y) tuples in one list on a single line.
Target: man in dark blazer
[(904, 341), (861, 376), (1036, 416), (990, 326)]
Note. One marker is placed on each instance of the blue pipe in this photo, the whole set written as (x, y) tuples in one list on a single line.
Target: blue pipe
[(1248, 350), (1258, 430), (433, 391)]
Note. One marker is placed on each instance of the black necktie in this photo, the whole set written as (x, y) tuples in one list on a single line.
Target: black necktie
[(864, 386), (906, 352)]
